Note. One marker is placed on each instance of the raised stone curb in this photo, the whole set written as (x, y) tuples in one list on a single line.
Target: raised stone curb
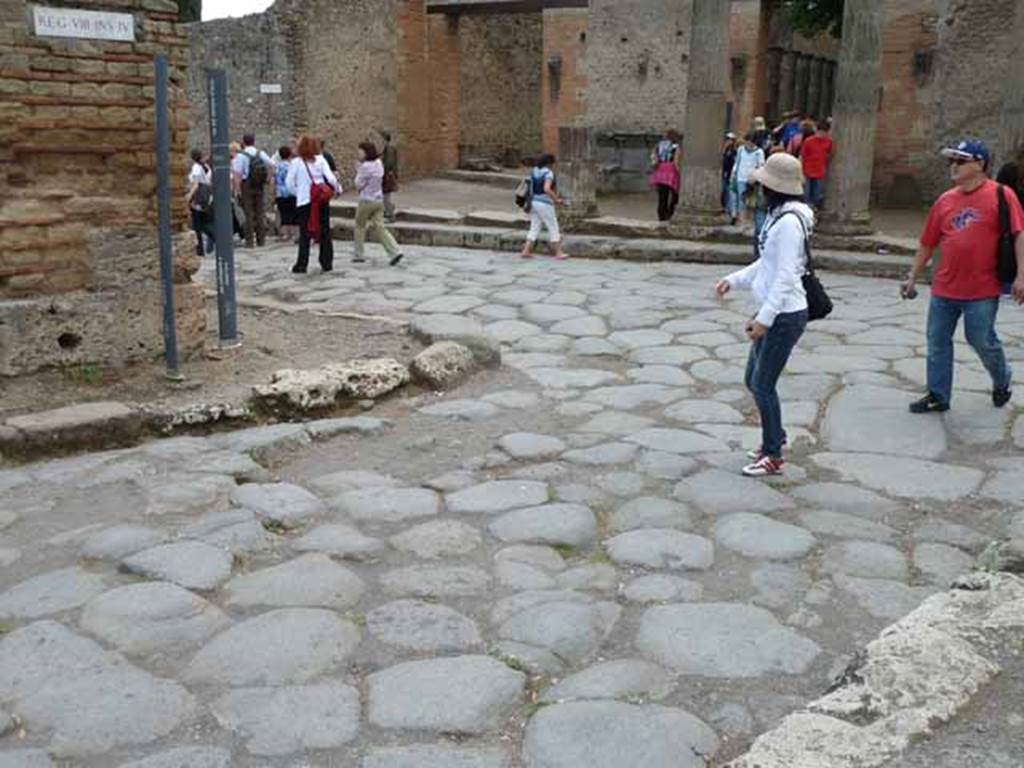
[(918, 674)]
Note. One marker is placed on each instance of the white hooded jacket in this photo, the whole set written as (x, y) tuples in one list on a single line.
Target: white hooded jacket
[(775, 278)]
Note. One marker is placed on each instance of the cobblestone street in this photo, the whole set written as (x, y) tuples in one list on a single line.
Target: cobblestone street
[(556, 565)]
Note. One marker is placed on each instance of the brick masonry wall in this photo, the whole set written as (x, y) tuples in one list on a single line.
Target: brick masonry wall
[(747, 63), (79, 273), (564, 97), (502, 63)]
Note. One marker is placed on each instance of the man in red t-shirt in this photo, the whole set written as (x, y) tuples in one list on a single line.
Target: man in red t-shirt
[(814, 154), (964, 223)]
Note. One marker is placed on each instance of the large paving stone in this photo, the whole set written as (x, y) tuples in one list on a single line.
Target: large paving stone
[(278, 721), (188, 496), (572, 631), (669, 355), (424, 627), (628, 396), (660, 374), (617, 679), (661, 588), (903, 476), (436, 756), (616, 423), (570, 524), (53, 592), (551, 313), (286, 646), (438, 539), (754, 535), (464, 694), (185, 757), (282, 503), (703, 411), (525, 445), (339, 540), (841, 497), (352, 480), (726, 640), (651, 512), (940, 563), (388, 505), (866, 419), (665, 466), (718, 492), (508, 331), (846, 526), (432, 328), (461, 410), (610, 734), (676, 441), (603, 454), (866, 559), (92, 701), (522, 576), (661, 548), (540, 556), (779, 585), (25, 758), (190, 564), (430, 581), (512, 398), (581, 326), (883, 598), (120, 540), (944, 532), (571, 378), (313, 580), (153, 617), (497, 496)]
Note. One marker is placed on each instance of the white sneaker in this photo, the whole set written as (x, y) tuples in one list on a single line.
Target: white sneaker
[(764, 467)]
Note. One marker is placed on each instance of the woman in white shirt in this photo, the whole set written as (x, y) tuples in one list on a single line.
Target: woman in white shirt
[(749, 157), (776, 280), (370, 210), (200, 202), (307, 175)]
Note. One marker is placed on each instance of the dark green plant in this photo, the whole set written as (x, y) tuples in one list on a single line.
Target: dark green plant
[(813, 17), (190, 10)]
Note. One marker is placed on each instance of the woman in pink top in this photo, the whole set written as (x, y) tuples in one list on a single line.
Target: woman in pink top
[(370, 211), (665, 177)]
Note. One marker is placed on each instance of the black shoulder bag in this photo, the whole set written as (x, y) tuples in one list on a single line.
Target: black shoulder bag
[(819, 305), (1006, 255)]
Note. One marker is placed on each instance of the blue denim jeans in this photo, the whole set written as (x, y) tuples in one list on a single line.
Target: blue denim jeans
[(980, 329), (736, 199), (814, 192), (768, 357)]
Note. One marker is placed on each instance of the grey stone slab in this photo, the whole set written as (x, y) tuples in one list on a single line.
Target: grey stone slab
[(588, 325), (497, 496), (867, 419), (352, 480), (841, 497), (716, 372), (779, 585), (436, 581), (940, 563), (703, 411), (452, 481), (806, 386), (279, 721), (285, 646), (522, 576), (866, 559), (723, 640), (630, 396), (438, 539), (548, 470), (1004, 486), (508, 331), (679, 441), (423, 627), (651, 512), (527, 445), (609, 734), (450, 304), (190, 564), (7, 518), (717, 492), (599, 577), (954, 534), (572, 631), (903, 476), (322, 429), (545, 314), (616, 423), (543, 342), (637, 339), (668, 355), (187, 496), (464, 694), (661, 588), (119, 540), (883, 598), (153, 617), (624, 484), (9, 556), (463, 330), (1015, 526), (25, 758), (536, 555), (534, 359), (462, 410), (286, 504), (52, 592), (512, 398), (661, 548), (603, 454), (845, 526), (616, 679), (339, 540), (595, 346), (436, 756), (571, 378), (665, 466), (313, 580), (388, 505), (755, 535), (185, 757), (569, 524)]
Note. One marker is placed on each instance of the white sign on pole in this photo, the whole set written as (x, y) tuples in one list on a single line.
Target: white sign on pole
[(270, 88), (87, 25)]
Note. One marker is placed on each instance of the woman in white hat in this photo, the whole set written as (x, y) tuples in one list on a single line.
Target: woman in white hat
[(775, 279)]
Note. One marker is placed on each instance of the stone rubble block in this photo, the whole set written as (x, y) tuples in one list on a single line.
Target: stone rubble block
[(572, 631), (661, 548), (52, 592), (443, 364), (305, 390), (572, 525), (616, 679), (462, 330), (313, 580)]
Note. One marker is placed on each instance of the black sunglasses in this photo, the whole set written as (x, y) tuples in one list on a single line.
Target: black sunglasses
[(961, 161)]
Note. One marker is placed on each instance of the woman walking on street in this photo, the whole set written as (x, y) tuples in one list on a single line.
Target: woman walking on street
[(285, 196), (542, 208), (749, 157), (200, 202), (665, 177), (370, 211), (776, 280), (314, 185)]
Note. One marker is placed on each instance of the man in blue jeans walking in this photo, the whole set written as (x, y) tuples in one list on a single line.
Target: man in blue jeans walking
[(965, 224)]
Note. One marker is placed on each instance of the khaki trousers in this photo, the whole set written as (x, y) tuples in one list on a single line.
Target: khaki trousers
[(370, 216)]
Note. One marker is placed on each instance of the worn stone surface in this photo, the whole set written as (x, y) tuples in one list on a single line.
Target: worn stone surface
[(618, 679), (119, 540), (436, 581), (756, 535), (651, 512), (716, 492), (572, 631), (312, 580), (865, 559), (191, 564), (661, 548), (339, 540), (283, 503), (425, 627), (522, 445), (51, 592), (185, 757), (661, 588), (497, 496), (570, 524), (438, 539), (388, 505), (436, 756), (443, 364), (354, 380)]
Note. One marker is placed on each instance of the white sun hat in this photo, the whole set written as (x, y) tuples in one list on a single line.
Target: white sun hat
[(782, 173)]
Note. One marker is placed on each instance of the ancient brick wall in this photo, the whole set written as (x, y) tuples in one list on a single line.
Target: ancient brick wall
[(563, 90), (747, 63), (502, 62), (79, 271)]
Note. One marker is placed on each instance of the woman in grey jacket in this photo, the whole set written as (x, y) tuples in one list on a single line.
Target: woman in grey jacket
[(776, 281)]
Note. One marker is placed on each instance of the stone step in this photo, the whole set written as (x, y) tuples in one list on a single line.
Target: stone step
[(504, 179), (346, 209)]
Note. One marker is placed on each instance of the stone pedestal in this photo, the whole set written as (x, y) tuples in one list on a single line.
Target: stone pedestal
[(577, 173), (848, 197), (700, 196)]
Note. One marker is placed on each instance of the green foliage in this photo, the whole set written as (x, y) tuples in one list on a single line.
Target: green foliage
[(87, 374), (190, 10), (812, 17)]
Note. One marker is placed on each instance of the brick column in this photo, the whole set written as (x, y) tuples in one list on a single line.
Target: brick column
[(700, 202), (1011, 129), (577, 172), (787, 81), (848, 199)]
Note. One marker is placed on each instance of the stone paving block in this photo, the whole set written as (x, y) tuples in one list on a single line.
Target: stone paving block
[(313, 580), (185, 757), (430, 581), (717, 492), (570, 524), (436, 756), (661, 548), (616, 679), (572, 631), (423, 627), (52, 592), (283, 503), (190, 564), (388, 505), (759, 536), (497, 496), (115, 542)]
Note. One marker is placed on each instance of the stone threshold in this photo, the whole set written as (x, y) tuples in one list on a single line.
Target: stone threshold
[(918, 674)]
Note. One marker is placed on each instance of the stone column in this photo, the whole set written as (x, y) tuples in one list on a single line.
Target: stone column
[(802, 78), (848, 199), (787, 71), (814, 84), (771, 110), (708, 80), (577, 173), (829, 95), (1011, 128)]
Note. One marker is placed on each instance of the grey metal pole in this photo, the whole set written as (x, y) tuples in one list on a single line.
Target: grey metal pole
[(163, 200), (227, 306)]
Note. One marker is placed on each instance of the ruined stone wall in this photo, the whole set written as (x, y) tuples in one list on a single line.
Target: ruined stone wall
[(79, 271), (502, 63)]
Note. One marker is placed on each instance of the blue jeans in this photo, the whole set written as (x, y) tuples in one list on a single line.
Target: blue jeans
[(768, 357), (980, 329), (815, 192), (736, 199)]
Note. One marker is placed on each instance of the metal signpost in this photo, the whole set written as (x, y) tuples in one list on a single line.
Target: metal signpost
[(227, 306), (163, 198)]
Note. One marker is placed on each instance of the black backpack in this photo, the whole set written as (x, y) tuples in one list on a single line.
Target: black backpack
[(1006, 255), (202, 199), (819, 305), (258, 172)]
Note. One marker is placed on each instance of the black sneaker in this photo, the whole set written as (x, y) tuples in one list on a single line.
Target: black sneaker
[(1001, 396), (928, 404), (395, 260)]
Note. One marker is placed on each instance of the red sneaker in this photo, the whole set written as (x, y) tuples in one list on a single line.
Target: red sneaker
[(764, 466)]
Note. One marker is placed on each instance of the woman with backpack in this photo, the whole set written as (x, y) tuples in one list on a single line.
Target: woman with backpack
[(665, 176), (200, 202), (776, 280), (314, 185), (543, 200)]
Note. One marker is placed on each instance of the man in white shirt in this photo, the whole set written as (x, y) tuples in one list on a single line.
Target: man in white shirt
[(251, 170)]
